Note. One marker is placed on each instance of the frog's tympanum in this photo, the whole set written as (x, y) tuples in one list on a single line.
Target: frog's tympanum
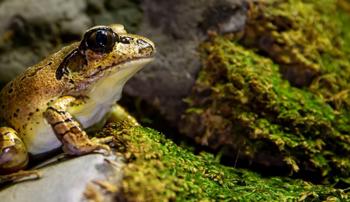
[(50, 104)]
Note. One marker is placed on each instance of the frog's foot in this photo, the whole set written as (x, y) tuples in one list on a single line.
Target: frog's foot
[(21, 175), (103, 140), (109, 140), (74, 139), (75, 144)]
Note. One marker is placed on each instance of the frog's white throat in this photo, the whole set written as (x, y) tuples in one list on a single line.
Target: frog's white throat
[(111, 86), (105, 92)]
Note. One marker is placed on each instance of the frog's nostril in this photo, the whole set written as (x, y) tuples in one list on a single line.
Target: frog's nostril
[(146, 46)]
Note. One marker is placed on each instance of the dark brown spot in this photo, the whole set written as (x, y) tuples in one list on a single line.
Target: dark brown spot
[(30, 113), (56, 110), (36, 71), (37, 109), (15, 115), (17, 110), (11, 90), (75, 129), (5, 134), (61, 122)]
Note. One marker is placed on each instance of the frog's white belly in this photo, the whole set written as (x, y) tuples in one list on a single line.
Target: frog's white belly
[(92, 113), (40, 137)]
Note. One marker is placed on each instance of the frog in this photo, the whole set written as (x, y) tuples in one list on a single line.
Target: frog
[(51, 104)]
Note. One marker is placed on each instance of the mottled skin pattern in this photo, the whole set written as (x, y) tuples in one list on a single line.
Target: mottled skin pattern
[(51, 103), (25, 98)]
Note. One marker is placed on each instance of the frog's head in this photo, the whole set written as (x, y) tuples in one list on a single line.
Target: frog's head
[(104, 60)]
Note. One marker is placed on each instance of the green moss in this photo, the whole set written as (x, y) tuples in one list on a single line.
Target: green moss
[(310, 40), (279, 95), (241, 101), (158, 170)]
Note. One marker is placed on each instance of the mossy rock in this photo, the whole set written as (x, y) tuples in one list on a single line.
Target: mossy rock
[(309, 39), (243, 102), (156, 169)]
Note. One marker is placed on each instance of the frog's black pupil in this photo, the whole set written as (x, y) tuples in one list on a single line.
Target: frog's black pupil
[(101, 38)]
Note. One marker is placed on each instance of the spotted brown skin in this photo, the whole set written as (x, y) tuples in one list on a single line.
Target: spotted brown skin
[(51, 103)]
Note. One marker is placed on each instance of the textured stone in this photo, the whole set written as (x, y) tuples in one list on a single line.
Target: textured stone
[(65, 181), (30, 30), (177, 28)]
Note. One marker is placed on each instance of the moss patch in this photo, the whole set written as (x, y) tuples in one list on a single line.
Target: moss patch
[(158, 170), (241, 101), (278, 96), (310, 40)]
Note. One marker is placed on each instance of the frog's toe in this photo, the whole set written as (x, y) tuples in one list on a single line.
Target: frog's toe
[(82, 145), (103, 140), (105, 148), (101, 144), (21, 175)]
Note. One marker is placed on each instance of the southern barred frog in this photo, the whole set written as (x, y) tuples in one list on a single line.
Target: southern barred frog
[(52, 103)]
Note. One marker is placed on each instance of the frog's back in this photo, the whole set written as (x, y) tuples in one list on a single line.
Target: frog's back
[(28, 94), (24, 99)]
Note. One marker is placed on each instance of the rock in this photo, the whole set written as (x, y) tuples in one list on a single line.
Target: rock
[(243, 106), (177, 28), (66, 181), (30, 30)]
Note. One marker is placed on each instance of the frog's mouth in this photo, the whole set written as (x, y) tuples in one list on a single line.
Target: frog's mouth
[(116, 67), (123, 71)]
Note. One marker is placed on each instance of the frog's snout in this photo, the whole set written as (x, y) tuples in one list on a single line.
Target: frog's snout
[(147, 47)]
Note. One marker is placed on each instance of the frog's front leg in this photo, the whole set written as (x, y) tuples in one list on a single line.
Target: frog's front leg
[(13, 157), (69, 131)]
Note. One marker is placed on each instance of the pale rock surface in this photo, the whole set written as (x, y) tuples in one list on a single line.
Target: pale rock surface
[(67, 180)]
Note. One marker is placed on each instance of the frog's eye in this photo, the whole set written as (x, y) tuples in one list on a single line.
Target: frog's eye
[(100, 40)]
